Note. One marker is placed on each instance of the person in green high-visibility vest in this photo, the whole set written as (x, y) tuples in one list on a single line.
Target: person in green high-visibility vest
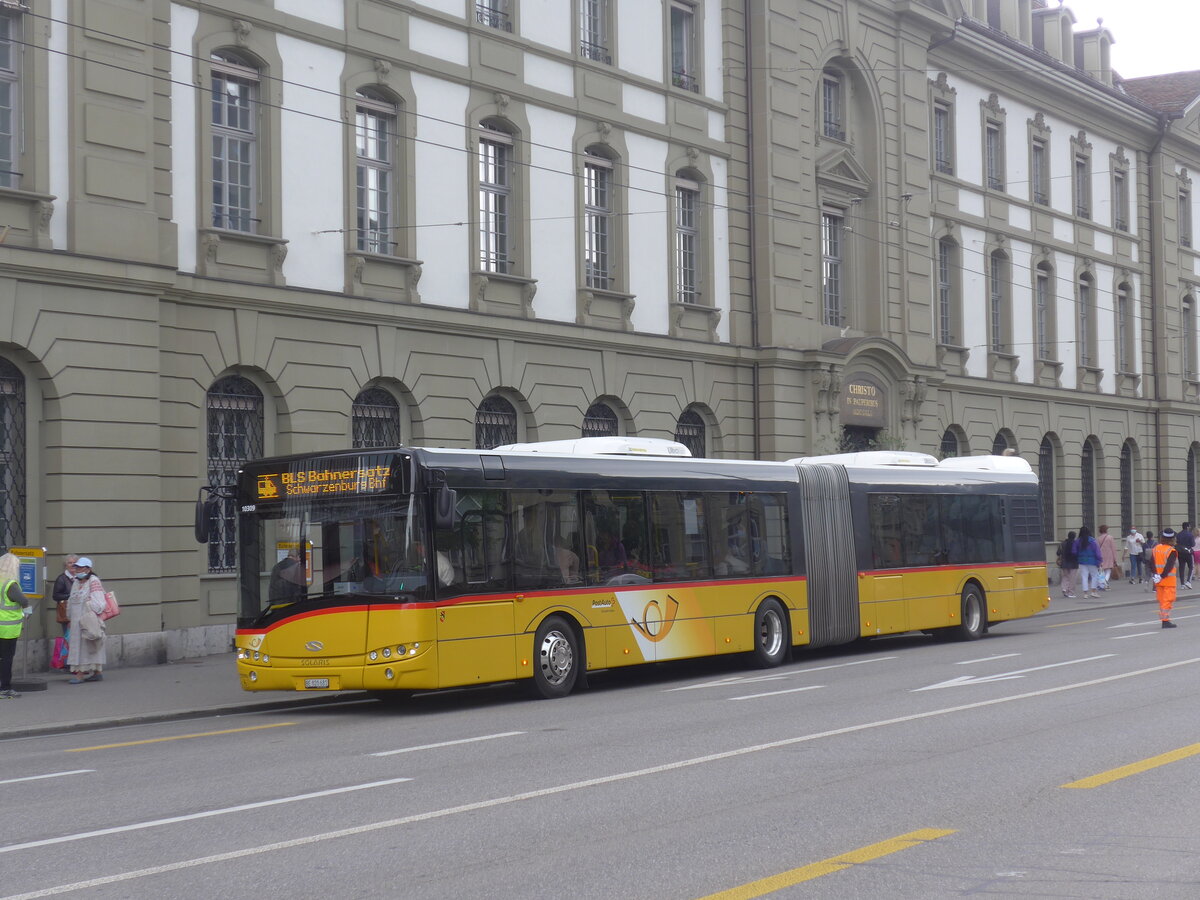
[(15, 608)]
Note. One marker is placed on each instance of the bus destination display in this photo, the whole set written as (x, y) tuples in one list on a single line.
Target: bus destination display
[(312, 482)]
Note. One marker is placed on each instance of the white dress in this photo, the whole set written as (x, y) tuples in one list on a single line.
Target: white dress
[(85, 656)]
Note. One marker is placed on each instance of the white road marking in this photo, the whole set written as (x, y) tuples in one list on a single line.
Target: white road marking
[(1005, 676), (742, 679), (971, 662), (812, 687), (48, 775), (574, 786), (1151, 622), (484, 737), (1121, 637), (155, 823)]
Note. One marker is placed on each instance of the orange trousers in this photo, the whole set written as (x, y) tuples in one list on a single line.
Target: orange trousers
[(1166, 599)]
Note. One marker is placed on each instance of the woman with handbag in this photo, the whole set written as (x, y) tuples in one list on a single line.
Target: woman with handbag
[(62, 590), (86, 657)]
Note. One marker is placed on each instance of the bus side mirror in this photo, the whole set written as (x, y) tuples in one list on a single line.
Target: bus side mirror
[(445, 503), (206, 510)]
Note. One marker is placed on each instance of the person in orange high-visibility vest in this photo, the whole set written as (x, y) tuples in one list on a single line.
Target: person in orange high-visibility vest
[(1166, 564)]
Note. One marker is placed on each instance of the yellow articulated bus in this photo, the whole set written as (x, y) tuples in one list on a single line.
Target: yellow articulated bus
[(416, 569)]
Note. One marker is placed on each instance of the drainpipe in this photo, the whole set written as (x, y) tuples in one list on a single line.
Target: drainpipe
[(1156, 324), (752, 232)]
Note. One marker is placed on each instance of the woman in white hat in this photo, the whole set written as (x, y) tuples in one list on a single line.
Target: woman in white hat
[(86, 656)]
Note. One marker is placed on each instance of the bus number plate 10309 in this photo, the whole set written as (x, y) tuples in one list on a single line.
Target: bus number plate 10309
[(310, 683)]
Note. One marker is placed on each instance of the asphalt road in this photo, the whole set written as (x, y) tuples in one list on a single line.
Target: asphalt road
[(1055, 758)]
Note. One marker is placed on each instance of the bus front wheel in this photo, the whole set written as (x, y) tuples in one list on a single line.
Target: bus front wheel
[(556, 659), (770, 634), (973, 621)]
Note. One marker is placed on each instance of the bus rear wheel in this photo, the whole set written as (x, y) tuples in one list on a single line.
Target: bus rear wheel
[(556, 659), (972, 622), (770, 634)]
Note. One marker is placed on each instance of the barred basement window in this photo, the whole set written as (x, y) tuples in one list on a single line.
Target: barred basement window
[(689, 431), (1127, 488), (949, 445), (495, 423), (599, 421), (235, 435), (375, 420), (12, 456)]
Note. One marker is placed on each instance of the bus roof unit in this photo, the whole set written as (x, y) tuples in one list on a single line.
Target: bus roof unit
[(603, 446), (870, 458)]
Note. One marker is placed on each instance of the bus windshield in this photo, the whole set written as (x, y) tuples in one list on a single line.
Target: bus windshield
[(300, 557)]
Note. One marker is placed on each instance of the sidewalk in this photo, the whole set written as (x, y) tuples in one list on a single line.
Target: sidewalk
[(209, 686)]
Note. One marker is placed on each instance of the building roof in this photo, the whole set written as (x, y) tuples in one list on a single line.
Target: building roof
[(1171, 93)]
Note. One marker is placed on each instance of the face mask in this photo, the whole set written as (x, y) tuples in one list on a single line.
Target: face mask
[(83, 576)]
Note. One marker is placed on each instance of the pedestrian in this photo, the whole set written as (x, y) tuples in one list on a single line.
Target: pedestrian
[(62, 590), (1068, 564), (15, 608), (1166, 560), (1087, 551), (1134, 543), (1185, 545), (1148, 559), (86, 656), (1108, 556)]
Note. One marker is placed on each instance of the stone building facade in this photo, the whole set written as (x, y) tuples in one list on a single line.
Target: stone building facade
[(769, 228)]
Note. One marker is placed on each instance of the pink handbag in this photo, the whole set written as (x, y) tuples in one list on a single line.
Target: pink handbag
[(111, 608), (58, 659)]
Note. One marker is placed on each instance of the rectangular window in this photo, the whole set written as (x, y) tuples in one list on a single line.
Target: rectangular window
[(1120, 189), (546, 549), (1084, 337), (832, 116), (1185, 218), (593, 31), (943, 139), (1039, 173), (678, 533), (997, 285), (687, 243), (373, 142), (10, 109), (1189, 341), (683, 49), (495, 196), (1123, 330), (614, 536), (945, 292), (1042, 324), (831, 268), (1083, 187), (493, 14), (597, 222), (234, 145), (994, 155)]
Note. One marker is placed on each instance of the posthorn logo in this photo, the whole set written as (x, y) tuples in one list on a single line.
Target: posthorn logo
[(314, 646)]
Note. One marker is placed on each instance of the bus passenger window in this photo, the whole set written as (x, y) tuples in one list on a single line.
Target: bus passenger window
[(545, 547), (614, 538), (887, 549)]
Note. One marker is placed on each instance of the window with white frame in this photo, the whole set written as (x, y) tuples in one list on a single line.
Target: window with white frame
[(1085, 318), (833, 122), (1189, 338), (687, 240), (494, 14), (1039, 174), (10, 99), (683, 46), (1044, 312), (597, 220), (1120, 203), (993, 138), (594, 31), (998, 302), (1082, 185), (1185, 217), (943, 138), (832, 228), (374, 139), (1125, 329), (947, 292), (235, 85), (495, 198)]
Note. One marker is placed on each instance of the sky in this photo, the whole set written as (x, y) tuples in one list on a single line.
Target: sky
[(1151, 37)]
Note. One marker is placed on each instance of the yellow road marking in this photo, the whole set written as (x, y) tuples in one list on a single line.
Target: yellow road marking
[(1080, 622), (178, 737), (1136, 768), (826, 866)]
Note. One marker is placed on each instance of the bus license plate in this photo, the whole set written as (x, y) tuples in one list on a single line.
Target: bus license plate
[(316, 683)]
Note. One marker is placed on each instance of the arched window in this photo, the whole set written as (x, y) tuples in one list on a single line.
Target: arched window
[(1000, 443), (495, 423), (375, 420), (599, 421), (1046, 485), (1127, 487), (12, 456), (235, 435), (949, 445), (375, 167), (235, 85), (1087, 484), (689, 431)]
